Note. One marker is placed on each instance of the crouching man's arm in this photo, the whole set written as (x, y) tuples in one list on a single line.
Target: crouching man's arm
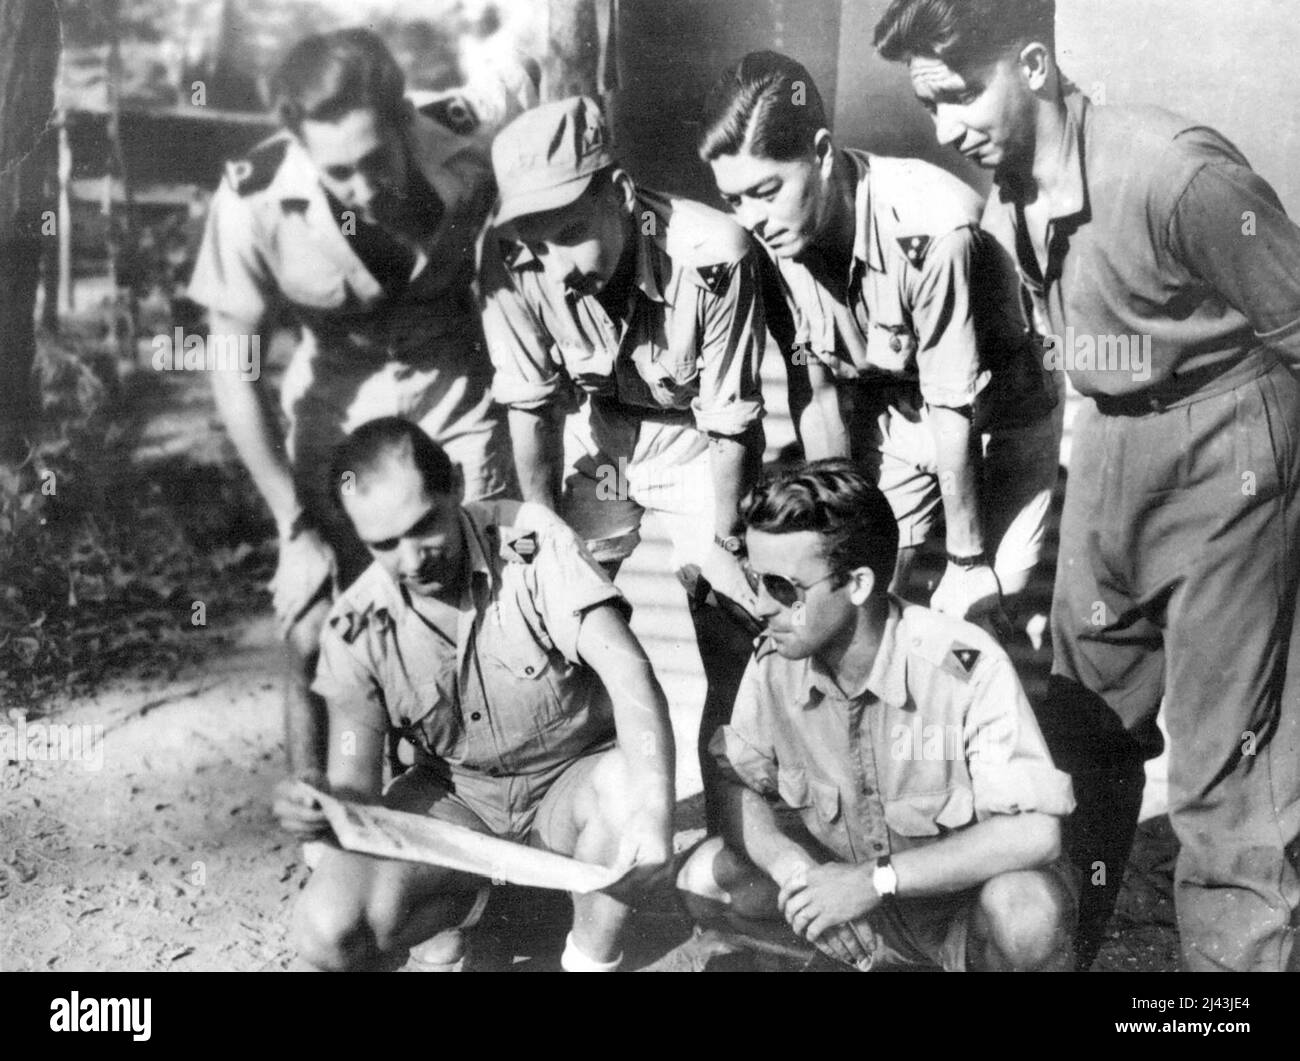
[(835, 893), (358, 727), (607, 645), (750, 825)]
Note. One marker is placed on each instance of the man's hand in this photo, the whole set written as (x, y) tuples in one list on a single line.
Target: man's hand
[(967, 592), (306, 563), (827, 897), (722, 571), (300, 811), (645, 854)]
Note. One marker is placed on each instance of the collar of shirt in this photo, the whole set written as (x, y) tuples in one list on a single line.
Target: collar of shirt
[(652, 262), (866, 240), (887, 681), (483, 576), (297, 187), (1070, 198)]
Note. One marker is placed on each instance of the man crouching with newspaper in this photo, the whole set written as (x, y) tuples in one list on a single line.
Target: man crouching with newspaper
[(485, 635)]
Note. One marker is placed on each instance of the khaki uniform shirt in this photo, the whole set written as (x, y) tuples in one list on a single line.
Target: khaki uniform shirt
[(929, 300), (941, 737), (511, 696), (273, 234), (693, 339), (1165, 245)]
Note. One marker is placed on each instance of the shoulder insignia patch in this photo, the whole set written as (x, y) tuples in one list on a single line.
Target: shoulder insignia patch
[(520, 549), (351, 624), (513, 254), (965, 657), (254, 172), (915, 248), (455, 113), (715, 277)]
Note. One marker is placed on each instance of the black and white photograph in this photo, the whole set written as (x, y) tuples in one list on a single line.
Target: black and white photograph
[(650, 486)]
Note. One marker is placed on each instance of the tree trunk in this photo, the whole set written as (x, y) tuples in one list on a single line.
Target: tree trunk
[(29, 55)]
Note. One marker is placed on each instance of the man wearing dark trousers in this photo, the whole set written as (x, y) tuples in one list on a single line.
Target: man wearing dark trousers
[(1165, 277)]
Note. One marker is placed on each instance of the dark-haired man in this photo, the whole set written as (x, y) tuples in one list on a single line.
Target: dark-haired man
[(359, 220), (648, 305), (1167, 275), (907, 325), (889, 794), (485, 634)]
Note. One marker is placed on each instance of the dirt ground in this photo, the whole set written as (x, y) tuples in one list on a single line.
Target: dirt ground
[(167, 857)]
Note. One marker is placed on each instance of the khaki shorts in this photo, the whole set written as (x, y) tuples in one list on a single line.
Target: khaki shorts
[(536, 810), (894, 441), (325, 398), (928, 932), (627, 467), (921, 932)]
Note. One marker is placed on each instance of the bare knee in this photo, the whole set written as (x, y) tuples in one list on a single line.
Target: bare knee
[(1024, 920), (715, 879), (329, 935)]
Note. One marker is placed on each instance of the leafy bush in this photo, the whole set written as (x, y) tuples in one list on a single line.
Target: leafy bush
[(102, 556)]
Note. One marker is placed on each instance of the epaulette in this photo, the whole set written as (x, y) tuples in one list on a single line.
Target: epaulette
[(916, 203), (255, 171), (350, 624), (518, 547), (453, 112)]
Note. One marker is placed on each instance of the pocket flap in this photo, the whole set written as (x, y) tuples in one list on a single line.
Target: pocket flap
[(826, 798), (792, 786), (930, 813)]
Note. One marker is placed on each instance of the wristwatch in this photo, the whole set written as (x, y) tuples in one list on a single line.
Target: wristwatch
[(980, 559), (884, 878), (734, 545)]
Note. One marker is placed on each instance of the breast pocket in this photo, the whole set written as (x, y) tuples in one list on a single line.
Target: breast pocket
[(930, 813), (590, 367), (426, 713), (307, 279), (818, 803), (520, 678), (892, 348)]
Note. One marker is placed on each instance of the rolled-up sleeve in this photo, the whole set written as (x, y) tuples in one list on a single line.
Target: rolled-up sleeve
[(1010, 767), (733, 335), (230, 273), (744, 749), (525, 375), (943, 316), (567, 583)]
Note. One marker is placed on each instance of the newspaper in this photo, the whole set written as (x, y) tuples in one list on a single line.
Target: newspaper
[(415, 838)]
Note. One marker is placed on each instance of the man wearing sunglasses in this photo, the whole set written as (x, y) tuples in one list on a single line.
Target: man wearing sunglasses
[(887, 790)]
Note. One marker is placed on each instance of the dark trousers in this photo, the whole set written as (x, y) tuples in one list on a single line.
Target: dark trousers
[(1177, 578)]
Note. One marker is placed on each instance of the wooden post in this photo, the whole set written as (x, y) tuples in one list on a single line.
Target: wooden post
[(29, 54), (66, 303)]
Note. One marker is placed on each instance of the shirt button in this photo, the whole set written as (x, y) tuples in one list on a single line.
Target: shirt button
[(528, 671), (475, 716), (895, 344), (877, 846)]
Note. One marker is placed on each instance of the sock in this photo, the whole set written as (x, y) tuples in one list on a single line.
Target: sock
[(574, 961)]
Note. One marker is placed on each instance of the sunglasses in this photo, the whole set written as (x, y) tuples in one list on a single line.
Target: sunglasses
[(784, 591)]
